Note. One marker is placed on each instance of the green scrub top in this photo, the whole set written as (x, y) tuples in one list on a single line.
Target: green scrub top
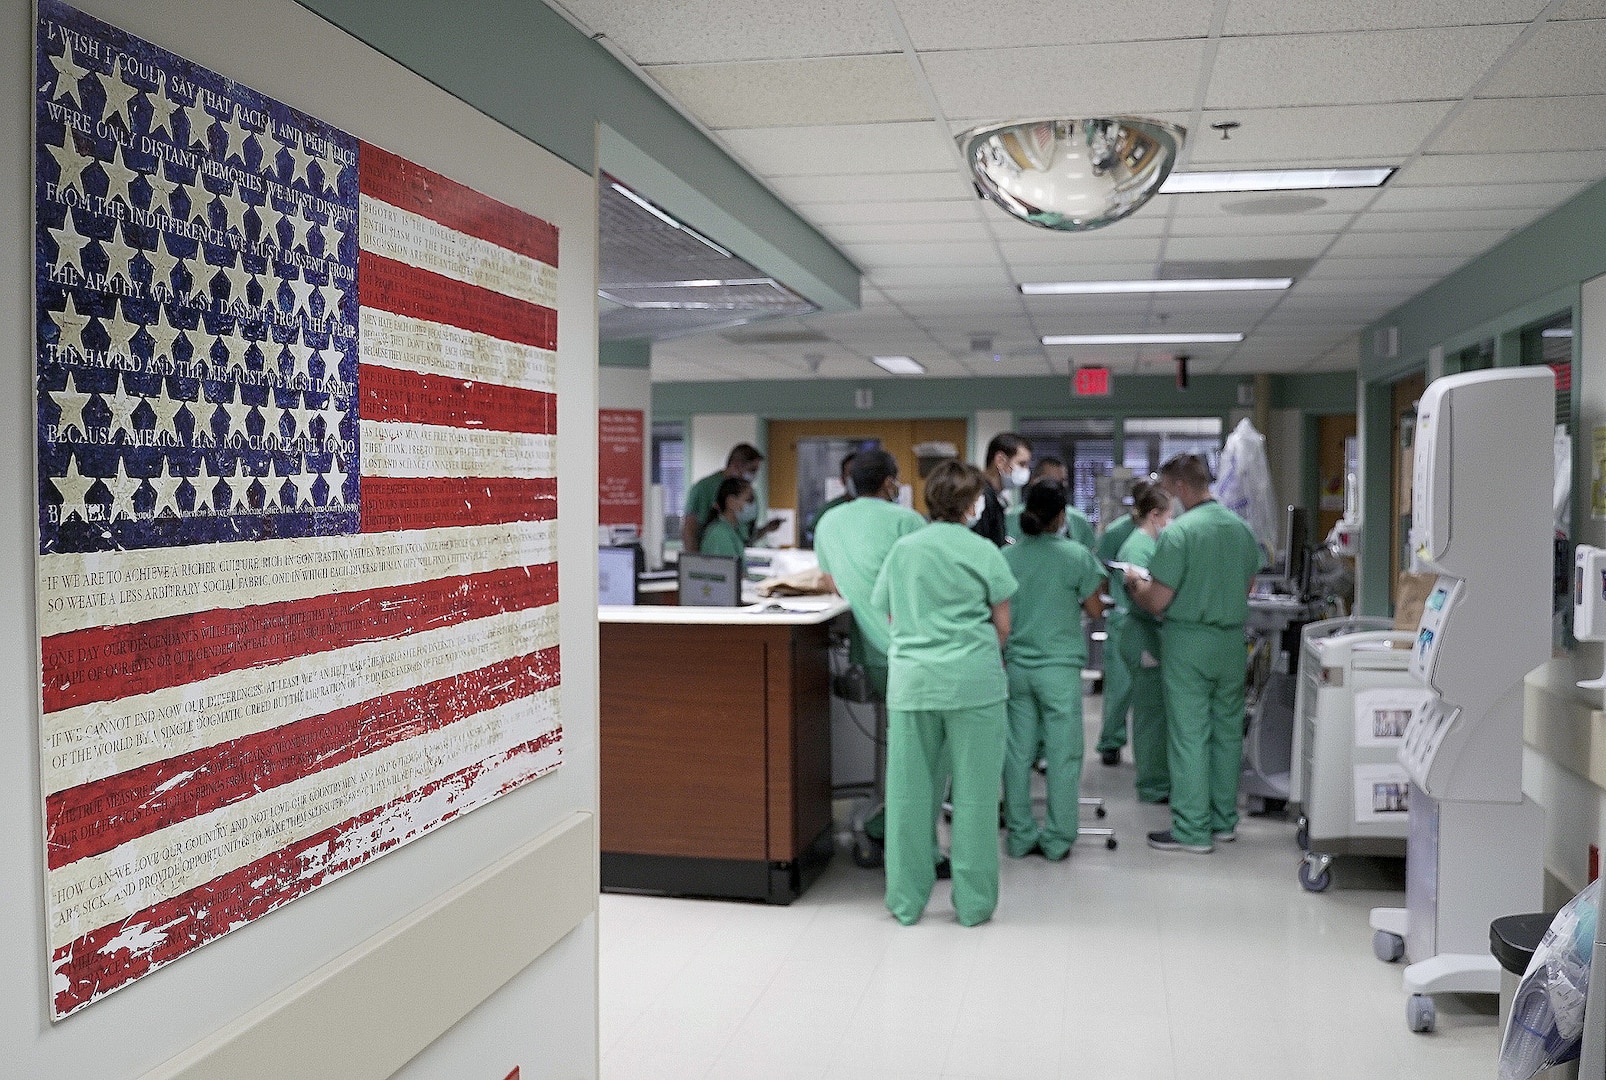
[(1114, 536), (1055, 576), (852, 543), (720, 537), (1209, 557), (1077, 526), (700, 500), (1139, 551), (938, 586)]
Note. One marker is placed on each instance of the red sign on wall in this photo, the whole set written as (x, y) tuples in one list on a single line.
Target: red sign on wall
[(1091, 382), (621, 453)]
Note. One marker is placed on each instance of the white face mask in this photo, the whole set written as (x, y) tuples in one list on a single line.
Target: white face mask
[(975, 511), (1020, 476)]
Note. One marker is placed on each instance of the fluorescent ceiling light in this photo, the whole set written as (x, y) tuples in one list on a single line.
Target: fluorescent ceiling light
[(666, 219), (1273, 180), (1141, 339), (1174, 285), (899, 365), (1557, 332)]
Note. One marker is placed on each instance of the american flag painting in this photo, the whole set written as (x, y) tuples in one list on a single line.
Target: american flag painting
[(297, 581)]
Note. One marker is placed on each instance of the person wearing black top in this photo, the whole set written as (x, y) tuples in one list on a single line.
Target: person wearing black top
[(1008, 462)]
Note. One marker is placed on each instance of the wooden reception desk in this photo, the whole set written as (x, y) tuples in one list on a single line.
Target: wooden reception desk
[(716, 749)]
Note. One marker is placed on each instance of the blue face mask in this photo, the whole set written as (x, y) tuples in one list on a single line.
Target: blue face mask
[(748, 513)]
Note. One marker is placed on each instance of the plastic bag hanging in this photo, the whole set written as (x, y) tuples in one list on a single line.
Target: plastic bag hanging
[(1244, 484), (1546, 1027)]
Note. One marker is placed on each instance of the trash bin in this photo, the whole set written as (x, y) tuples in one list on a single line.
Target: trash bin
[(1513, 940)]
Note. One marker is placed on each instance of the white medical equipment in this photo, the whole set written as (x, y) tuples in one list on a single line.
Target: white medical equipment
[(1354, 697), (1480, 519)]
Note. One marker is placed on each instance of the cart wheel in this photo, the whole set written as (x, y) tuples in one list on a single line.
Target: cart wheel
[(1312, 880), (867, 853), (1100, 813), (1420, 1013), (1110, 843), (1302, 834), (1387, 947)]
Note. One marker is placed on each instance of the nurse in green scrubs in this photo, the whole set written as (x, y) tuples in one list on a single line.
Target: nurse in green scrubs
[(725, 527), (853, 542), (1076, 526), (1047, 650), (1117, 681), (946, 591), (1203, 566), (1140, 650)]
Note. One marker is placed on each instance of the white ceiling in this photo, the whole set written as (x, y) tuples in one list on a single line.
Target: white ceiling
[(1494, 111)]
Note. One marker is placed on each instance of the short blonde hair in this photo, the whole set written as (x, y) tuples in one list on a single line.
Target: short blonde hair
[(951, 489)]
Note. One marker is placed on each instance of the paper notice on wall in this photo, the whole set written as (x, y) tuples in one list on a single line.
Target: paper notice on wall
[(1382, 715), (1382, 793), (1597, 474)]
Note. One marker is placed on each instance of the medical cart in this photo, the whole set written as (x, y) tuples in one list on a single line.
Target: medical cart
[(1354, 696)]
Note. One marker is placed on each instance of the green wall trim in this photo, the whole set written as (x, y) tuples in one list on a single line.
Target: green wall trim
[(524, 65), (1543, 261), (1327, 393), (634, 353)]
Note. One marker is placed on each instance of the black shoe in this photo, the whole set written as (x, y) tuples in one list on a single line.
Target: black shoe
[(1164, 841), (945, 869), (1110, 757)]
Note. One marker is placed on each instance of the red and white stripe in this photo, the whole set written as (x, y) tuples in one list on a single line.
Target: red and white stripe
[(284, 710)]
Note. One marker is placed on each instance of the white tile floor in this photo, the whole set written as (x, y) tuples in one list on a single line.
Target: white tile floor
[(1126, 964)]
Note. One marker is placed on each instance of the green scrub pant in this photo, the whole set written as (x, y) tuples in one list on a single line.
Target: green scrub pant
[(1045, 709), (920, 748), (1202, 668), (1117, 684), (1140, 637)]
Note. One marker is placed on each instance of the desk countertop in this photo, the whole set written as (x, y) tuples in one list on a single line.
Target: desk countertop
[(798, 611)]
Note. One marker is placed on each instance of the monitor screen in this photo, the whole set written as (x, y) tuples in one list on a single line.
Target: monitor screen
[(1296, 553), (709, 581), (616, 576)]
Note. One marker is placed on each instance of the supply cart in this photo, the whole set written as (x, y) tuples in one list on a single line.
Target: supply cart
[(1353, 701)]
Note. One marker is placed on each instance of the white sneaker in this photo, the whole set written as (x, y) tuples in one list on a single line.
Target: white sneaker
[(1227, 837)]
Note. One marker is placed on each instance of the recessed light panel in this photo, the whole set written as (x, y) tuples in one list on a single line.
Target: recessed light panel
[(1178, 285), (1142, 339), (899, 365), (1273, 180)]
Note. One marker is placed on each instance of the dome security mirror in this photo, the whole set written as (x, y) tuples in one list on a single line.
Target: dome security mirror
[(1072, 175)]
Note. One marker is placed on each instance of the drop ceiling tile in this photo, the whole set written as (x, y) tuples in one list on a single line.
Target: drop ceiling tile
[(908, 232), (1111, 271), (1144, 224), (1345, 69), (953, 253), (915, 210), (1463, 242), (1404, 266), (1501, 125), (1243, 306), (1245, 246), (1323, 133), (829, 150), (969, 24), (1582, 9), (995, 297), (1477, 197), (1079, 248), (1503, 218), (703, 31), (1400, 288), (874, 187), (1312, 16), (1254, 207), (1502, 168), (1313, 224), (1559, 59), (907, 276), (791, 93), (1050, 309), (1067, 80)]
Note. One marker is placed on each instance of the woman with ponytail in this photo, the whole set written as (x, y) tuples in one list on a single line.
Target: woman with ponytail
[(1140, 649), (1059, 580)]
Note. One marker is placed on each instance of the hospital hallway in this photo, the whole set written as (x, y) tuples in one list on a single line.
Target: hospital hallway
[(1130, 964)]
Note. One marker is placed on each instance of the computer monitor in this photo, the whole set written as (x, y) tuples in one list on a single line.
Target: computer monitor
[(709, 581), (616, 576)]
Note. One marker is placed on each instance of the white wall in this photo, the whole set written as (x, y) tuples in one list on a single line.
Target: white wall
[(983, 427), (546, 1015)]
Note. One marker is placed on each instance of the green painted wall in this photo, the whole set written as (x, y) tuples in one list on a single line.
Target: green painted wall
[(1046, 396), (635, 353), (523, 64), (1524, 280)]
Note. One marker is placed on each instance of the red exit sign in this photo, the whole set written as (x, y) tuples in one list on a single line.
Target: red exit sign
[(1091, 382)]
